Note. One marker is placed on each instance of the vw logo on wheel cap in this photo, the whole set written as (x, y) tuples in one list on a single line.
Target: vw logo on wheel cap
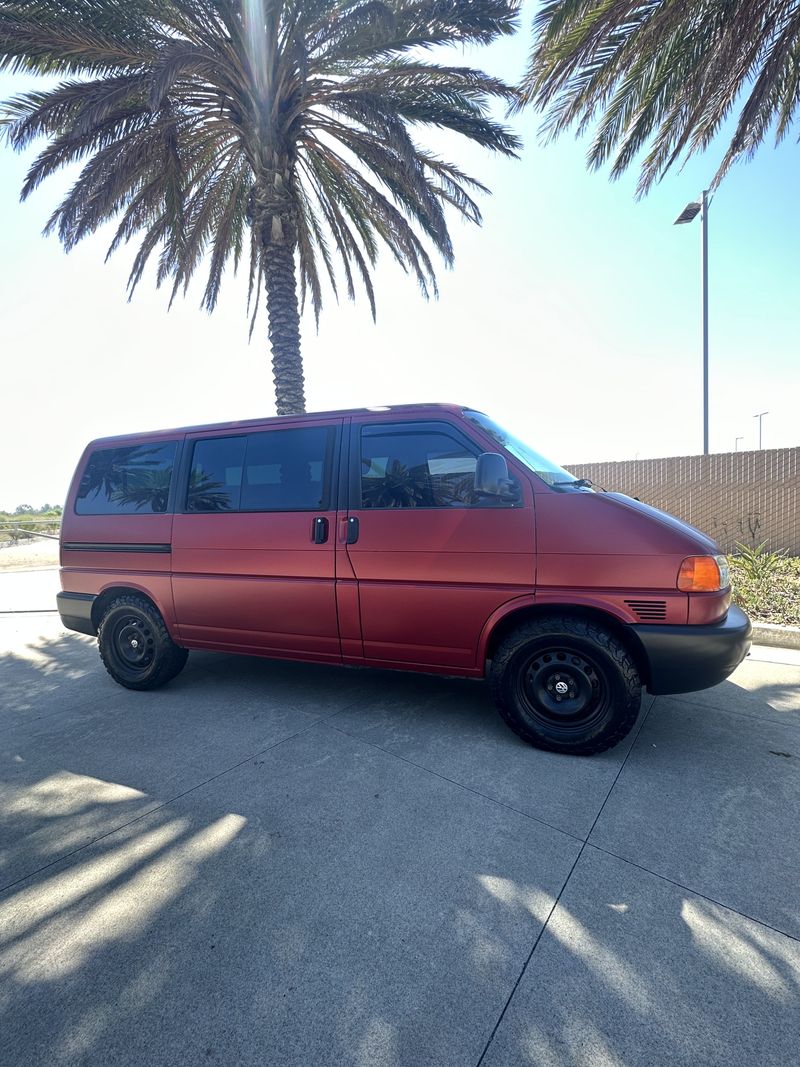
[(562, 688)]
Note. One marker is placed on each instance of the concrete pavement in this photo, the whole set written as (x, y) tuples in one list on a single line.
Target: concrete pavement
[(284, 864), (29, 590)]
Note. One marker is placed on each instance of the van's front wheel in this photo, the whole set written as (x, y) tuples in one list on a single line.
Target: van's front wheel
[(135, 647), (567, 685)]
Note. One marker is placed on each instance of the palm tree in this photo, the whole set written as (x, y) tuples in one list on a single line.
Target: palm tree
[(666, 73), (274, 129)]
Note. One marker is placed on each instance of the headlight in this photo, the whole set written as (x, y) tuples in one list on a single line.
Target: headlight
[(704, 574)]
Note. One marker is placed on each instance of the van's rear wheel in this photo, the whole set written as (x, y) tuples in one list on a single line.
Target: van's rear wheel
[(567, 685), (135, 647)]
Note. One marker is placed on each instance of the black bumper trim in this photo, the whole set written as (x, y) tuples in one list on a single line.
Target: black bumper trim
[(683, 659), (75, 610)]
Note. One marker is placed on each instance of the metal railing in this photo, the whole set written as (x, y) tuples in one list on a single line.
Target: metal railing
[(12, 531)]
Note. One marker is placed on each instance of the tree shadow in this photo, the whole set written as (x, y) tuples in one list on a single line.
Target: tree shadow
[(648, 973), (60, 668), (325, 903), (323, 880), (66, 976), (80, 755)]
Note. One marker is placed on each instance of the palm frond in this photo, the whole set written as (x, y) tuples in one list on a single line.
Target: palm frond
[(214, 129), (660, 77)]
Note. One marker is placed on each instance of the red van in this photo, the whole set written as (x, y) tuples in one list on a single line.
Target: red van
[(420, 537)]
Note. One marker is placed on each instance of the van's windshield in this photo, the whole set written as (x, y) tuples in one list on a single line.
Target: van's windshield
[(545, 469)]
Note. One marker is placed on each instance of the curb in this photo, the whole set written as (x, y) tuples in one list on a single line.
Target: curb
[(767, 633)]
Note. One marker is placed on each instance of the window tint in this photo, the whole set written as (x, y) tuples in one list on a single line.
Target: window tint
[(278, 470), (122, 481), (547, 470), (415, 469), (285, 470), (215, 480)]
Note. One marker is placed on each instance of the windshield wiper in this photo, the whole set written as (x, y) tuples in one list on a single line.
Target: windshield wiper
[(580, 483)]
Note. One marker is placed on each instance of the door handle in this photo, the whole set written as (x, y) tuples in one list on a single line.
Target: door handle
[(319, 531), (348, 530)]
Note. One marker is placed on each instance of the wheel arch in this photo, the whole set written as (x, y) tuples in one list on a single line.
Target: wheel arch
[(498, 628), (103, 599)]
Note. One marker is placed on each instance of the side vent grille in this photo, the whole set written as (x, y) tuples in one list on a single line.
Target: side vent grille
[(649, 610)]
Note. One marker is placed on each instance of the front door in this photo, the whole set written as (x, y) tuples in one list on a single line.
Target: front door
[(253, 542), (432, 561)]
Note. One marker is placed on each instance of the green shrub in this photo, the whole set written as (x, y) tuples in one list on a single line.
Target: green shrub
[(756, 563), (767, 585)]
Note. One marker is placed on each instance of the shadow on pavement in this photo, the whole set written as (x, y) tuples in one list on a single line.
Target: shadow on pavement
[(252, 884)]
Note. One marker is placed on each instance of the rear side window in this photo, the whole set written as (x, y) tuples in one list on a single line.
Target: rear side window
[(277, 470), (124, 481), (215, 481)]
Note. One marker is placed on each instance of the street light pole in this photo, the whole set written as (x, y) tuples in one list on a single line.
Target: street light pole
[(704, 218), (760, 416), (690, 212), (736, 443)]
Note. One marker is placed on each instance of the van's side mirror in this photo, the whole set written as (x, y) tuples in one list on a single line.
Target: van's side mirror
[(491, 477)]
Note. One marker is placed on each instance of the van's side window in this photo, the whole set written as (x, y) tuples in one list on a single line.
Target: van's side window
[(286, 470), (124, 481), (415, 469), (215, 480), (276, 470)]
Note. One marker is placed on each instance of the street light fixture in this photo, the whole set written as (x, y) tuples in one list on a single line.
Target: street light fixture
[(760, 416), (689, 213)]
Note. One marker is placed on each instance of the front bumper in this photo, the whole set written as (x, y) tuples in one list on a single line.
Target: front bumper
[(683, 659), (75, 610)]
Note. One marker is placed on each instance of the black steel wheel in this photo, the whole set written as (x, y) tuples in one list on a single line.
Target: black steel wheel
[(566, 684), (135, 646)]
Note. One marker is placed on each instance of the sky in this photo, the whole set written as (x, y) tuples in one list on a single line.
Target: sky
[(573, 317)]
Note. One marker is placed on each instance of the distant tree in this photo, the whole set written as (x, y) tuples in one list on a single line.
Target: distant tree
[(23, 509), (277, 130), (666, 73)]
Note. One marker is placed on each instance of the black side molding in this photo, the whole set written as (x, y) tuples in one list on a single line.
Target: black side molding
[(115, 546), (75, 610)]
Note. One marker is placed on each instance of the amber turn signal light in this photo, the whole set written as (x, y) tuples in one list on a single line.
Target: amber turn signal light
[(701, 574)]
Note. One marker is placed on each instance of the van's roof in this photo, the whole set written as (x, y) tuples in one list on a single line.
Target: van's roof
[(310, 416)]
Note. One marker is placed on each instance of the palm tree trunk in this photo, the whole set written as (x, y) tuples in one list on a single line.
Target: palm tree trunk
[(284, 329), (273, 215)]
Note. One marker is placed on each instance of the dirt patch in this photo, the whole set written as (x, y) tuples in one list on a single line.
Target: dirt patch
[(29, 555)]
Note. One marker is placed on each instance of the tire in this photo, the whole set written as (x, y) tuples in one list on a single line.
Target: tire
[(135, 647), (602, 691)]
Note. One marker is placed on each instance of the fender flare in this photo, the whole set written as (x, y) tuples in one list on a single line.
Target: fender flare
[(542, 603), (121, 588)]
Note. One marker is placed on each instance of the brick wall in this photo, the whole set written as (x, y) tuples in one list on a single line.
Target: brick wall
[(733, 496)]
